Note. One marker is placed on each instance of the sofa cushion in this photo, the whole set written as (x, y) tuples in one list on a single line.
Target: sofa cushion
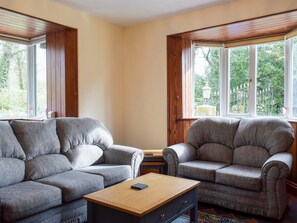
[(85, 155), (74, 184), (37, 137), (209, 130), (46, 165), (12, 171), (274, 134), (240, 176), (245, 156), (199, 170), (215, 152), (82, 131), (9, 145), (112, 174), (27, 198)]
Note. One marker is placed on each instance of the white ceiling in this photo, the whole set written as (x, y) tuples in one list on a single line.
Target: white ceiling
[(130, 12)]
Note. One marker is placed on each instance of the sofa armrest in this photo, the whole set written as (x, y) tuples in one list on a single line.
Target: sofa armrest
[(277, 166), (124, 155), (274, 175), (176, 154)]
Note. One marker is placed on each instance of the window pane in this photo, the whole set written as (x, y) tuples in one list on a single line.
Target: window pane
[(41, 102), (13, 79), (206, 81), (239, 80), (294, 77), (270, 79)]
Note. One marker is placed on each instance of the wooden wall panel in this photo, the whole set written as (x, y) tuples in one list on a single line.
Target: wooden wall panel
[(62, 73), (252, 28), (58, 74), (25, 26), (174, 87), (71, 77)]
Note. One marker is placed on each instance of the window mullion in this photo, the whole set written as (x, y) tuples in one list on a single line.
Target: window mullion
[(224, 82), (288, 88), (31, 109), (253, 81)]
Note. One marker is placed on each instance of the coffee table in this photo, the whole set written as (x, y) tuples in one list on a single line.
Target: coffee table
[(165, 199)]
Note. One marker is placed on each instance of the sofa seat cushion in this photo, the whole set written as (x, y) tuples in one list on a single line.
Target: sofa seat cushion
[(74, 184), (200, 170), (12, 171), (112, 174), (240, 176), (27, 198)]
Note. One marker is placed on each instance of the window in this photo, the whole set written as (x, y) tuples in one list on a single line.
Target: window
[(239, 80), (270, 79), (40, 75), (294, 75), (206, 81), (254, 79), (22, 79)]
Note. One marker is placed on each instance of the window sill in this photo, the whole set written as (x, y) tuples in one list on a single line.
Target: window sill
[(291, 120), (33, 118)]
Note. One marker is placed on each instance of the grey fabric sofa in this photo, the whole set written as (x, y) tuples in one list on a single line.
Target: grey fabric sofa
[(242, 163), (46, 167)]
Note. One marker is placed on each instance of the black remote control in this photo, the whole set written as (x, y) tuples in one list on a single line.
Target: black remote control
[(139, 186)]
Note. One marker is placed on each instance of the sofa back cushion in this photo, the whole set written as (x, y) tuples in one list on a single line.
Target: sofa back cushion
[(213, 135), (9, 145), (46, 165), (73, 132), (37, 137), (257, 139), (215, 152), (12, 171), (85, 155), (252, 156), (273, 134)]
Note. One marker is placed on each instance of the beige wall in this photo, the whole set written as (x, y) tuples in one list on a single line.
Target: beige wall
[(122, 71), (100, 51), (145, 64)]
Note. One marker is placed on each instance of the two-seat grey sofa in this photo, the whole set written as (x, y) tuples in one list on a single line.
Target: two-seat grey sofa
[(242, 163), (46, 167)]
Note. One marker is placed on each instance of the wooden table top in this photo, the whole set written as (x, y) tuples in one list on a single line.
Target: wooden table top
[(161, 189), (153, 152)]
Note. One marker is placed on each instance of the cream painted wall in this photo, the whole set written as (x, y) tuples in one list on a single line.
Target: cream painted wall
[(100, 52), (145, 64)]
